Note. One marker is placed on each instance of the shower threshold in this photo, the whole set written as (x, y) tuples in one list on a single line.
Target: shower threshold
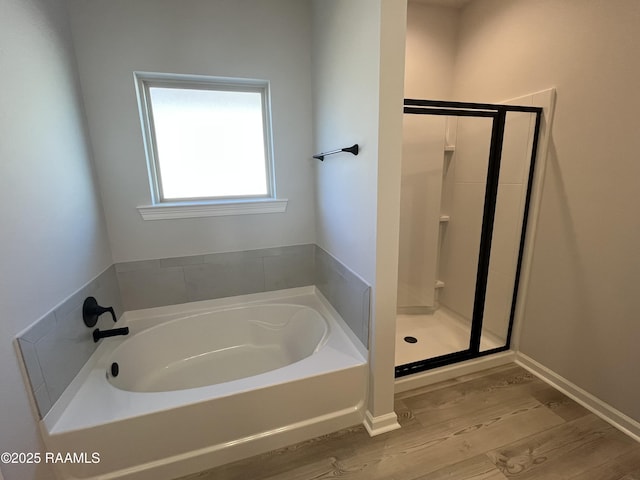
[(426, 341)]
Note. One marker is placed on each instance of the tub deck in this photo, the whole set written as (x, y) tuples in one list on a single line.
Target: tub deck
[(180, 432)]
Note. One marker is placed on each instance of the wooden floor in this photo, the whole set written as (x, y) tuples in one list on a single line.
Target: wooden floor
[(500, 424)]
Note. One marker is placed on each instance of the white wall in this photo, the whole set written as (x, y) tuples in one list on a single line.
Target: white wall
[(346, 51), (53, 236), (581, 315), (431, 43), (249, 38), (393, 20), (358, 63)]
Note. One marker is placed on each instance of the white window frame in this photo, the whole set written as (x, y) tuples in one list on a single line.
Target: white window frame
[(159, 208)]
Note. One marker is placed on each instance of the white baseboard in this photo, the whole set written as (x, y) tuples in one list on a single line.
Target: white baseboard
[(603, 410), (441, 374), (381, 424)]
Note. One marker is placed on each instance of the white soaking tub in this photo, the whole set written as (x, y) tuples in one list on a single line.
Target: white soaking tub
[(206, 383), (216, 347)]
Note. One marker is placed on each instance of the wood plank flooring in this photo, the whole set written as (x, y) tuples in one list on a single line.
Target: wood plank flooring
[(500, 424)]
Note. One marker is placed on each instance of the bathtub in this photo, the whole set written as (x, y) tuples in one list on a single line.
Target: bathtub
[(198, 385)]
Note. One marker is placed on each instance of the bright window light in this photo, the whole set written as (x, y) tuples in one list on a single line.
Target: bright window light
[(209, 140)]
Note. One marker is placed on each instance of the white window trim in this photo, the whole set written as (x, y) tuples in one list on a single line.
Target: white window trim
[(166, 211), (209, 207)]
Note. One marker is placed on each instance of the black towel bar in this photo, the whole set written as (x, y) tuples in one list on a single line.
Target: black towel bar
[(352, 149)]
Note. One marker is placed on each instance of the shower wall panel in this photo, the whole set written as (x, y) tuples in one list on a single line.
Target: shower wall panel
[(421, 190), (464, 201)]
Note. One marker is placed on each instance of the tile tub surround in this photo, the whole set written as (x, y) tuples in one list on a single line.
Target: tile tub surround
[(347, 293), (56, 346), (169, 281)]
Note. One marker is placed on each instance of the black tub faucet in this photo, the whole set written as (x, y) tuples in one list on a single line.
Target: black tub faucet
[(98, 334), (90, 313)]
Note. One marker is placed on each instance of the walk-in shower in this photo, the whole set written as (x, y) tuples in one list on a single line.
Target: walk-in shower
[(467, 172)]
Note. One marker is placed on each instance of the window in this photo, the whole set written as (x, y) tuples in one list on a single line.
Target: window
[(208, 145)]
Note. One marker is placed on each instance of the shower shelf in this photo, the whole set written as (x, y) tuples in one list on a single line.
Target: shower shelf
[(444, 218), (439, 284), (449, 148)]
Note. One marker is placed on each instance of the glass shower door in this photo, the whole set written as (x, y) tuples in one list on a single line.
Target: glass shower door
[(464, 309), (507, 244)]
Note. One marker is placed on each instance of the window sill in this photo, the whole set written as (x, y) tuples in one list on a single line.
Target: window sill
[(166, 211)]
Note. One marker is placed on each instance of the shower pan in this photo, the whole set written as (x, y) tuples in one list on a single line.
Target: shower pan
[(467, 174)]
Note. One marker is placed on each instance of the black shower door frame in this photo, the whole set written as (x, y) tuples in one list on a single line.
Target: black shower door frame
[(498, 114)]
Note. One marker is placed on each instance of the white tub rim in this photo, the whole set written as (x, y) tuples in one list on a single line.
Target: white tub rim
[(51, 420)]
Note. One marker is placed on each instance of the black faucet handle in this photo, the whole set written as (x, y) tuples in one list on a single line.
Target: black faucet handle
[(91, 311), (102, 310)]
